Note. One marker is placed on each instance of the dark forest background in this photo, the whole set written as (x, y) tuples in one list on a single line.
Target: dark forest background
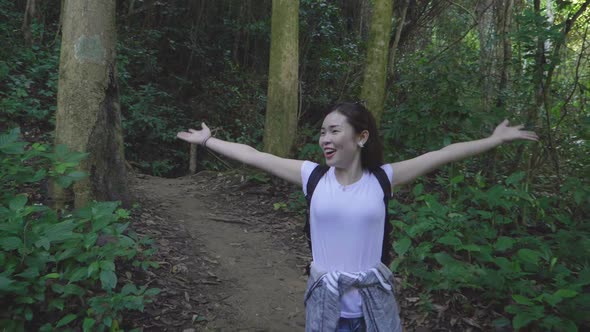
[(508, 229)]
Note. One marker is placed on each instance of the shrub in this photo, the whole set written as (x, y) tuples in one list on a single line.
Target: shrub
[(58, 270), (523, 253)]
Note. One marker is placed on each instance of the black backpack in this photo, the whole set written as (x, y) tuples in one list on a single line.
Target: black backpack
[(380, 174)]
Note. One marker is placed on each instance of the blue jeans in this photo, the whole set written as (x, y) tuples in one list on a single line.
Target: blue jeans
[(352, 325)]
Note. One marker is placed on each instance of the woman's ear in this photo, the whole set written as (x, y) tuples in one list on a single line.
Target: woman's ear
[(363, 137)]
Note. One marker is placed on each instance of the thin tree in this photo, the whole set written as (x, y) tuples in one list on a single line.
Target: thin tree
[(281, 107), (373, 90), (31, 14), (88, 114)]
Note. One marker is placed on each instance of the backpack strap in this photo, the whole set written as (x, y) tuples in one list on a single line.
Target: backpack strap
[(387, 227), (314, 178)]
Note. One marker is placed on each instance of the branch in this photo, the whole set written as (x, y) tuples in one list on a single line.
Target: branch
[(452, 44)]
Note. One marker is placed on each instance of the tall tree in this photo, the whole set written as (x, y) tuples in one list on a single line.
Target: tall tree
[(373, 90), (30, 15), (282, 103), (88, 114)]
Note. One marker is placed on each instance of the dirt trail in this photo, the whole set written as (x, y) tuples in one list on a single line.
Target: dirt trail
[(238, 265)]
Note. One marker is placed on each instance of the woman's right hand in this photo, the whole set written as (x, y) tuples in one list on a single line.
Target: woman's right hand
[(195, 136)]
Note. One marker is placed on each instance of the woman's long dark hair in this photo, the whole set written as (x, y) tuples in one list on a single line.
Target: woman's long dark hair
[(361, 119)]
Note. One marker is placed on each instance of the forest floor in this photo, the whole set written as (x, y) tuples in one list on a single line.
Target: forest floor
[(229, 261)]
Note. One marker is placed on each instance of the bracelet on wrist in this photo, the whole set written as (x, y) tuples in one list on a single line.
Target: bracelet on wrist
[(205, 141)]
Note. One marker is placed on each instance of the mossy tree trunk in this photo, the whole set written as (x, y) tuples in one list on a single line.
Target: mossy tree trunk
[(373, 90), (281, 107), (88, 113)]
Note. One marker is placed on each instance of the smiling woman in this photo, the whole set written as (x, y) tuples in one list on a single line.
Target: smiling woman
[(349, 287)]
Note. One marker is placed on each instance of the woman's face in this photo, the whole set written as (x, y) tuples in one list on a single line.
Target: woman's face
[(338, 141)]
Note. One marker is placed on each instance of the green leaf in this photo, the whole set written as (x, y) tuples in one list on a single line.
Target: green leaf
[(71, 289), (565, 293), (70, 252), (64, 181), (5, 283), (522, 300), (28, 313), (107, 266), (129, 289), (66, 320), (30, 273), (43, 242), (152, 292), (25, 299), (504, 243), (10, 243), (57, 303), (18, 202), (402, 245), (457, 179), (108, 321), (470, 247), (108, 280), (418, 189), (78, 274), (529, 256), (515, 178), (88, 324), (90, 240), (60, 231), (450, 240), (94, 267), (523, 319), (445, 259)]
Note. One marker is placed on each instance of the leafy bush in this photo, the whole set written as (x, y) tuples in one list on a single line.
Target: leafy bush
[(59, 269), (527, 254)]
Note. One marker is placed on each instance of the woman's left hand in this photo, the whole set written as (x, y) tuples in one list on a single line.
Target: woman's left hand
[(506, 134)]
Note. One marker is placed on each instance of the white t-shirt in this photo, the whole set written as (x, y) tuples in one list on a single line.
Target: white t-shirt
[(346, 225)]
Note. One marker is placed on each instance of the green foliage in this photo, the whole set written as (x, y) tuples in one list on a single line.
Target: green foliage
[(28, 74), (60, 269), (535, 265)]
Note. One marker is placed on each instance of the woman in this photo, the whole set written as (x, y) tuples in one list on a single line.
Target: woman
[(349, 289)]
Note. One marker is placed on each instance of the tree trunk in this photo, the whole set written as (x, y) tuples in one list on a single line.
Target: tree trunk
[(487, 51), (373, 90), (28, 18), (398, 34), (88, 115), (281, 108), (504, 27), (364, 19)]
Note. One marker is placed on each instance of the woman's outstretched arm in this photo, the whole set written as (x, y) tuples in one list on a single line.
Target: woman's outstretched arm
[(287, 169), (408, 170)]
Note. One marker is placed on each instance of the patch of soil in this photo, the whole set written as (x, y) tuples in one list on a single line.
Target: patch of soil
[(228, 260)]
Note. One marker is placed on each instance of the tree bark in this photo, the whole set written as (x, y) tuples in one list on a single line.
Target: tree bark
[(487, 51), (29, 16), (373, 89), (281, 108), (398, 34), (88, 115)]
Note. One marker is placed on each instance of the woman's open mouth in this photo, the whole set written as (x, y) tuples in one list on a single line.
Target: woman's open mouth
[(329, 153)]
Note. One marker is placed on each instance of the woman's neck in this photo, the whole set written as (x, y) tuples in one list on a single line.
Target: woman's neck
[(350, 175)]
